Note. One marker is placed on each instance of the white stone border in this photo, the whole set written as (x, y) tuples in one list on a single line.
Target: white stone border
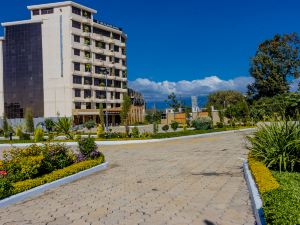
[(256, 201), (105, 143), (37, 190)]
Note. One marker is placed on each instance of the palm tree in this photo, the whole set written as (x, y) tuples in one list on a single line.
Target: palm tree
[(64, 125)]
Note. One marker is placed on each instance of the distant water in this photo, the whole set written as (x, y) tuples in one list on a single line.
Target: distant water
[(202, 100)]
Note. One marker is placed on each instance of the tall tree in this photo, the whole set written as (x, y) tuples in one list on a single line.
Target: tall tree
[(125, 110), (222, 99), (29, 123), (101, 115), (173, 102), (275, 61)]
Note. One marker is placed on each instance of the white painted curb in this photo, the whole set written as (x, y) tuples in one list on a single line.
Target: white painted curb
[(37, 190), (256, 201), (107, 143)]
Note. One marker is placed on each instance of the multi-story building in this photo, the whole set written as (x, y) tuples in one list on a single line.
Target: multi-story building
[(62, 62)]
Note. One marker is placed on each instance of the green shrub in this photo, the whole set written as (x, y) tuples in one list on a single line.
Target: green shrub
[(49, 124), (220, 124), (6, 188), (64, 125), (56, 156), (38, 134), (22, 168), (25, 136), (135, 132), (165, 128), (55, 175), (277, 145), (174, 125), (184, 127), (202, 123), (87, 146)]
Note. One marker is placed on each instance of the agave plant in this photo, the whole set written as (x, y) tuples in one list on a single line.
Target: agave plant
[(64, 125), (277, 145)]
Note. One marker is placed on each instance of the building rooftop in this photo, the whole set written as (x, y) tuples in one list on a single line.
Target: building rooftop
[(60, 4), (20, 22)]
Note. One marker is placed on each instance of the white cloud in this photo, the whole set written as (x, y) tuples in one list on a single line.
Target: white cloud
[(153, 90)]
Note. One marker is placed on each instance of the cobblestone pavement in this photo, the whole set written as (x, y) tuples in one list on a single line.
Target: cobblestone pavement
[(187, 181)]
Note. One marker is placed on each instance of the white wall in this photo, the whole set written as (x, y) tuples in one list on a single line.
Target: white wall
[(1, 80), (57, 86)]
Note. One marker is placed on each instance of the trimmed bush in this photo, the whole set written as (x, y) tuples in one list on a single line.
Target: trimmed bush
[(263, 176), (55, 175), (165, 128), (6, 188), (38, 134), (87, 146), (202, 123), (135, 132), (174, 125)]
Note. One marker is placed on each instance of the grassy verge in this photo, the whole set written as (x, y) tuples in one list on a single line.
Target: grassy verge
[(53, 176), (152, 136), (282, 206), (280, 193)]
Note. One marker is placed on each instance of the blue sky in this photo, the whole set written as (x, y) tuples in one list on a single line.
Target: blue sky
[(174, 45)]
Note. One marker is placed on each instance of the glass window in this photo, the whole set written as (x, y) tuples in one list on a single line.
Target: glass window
[(77, 105), (87, 93), (88, 67), (86, 28), (123, 62), (76, 24), (76, 52), (101, 32), (77, 79), (76, 66), (76, 10), (88, 105), (77, 38), (123, 39), (116, 36), (100, 94), (117, 95), (117, 60), (36, 12), (77, 93), (86, 14), (87, 41), (117, 72), (116, 48), (100, 57), (123, 51), (88, 81), (47, 11)]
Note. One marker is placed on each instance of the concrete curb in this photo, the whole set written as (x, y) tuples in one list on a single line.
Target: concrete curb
[(37, 190), (256, 201), (107, 143)]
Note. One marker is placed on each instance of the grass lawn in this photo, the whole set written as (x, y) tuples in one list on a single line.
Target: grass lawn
[(282, 206)]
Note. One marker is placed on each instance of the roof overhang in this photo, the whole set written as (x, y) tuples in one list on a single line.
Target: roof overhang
[(61, 4), (20, 22)]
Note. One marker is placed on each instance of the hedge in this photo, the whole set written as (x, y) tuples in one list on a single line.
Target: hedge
[(55, 175), (262, 175)]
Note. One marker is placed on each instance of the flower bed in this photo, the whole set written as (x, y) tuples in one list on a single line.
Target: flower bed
[(23, 169)]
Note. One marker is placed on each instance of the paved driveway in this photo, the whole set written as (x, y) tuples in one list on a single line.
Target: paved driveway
[(187, 181)]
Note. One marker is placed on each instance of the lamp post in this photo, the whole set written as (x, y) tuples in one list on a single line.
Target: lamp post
[(106, 72)]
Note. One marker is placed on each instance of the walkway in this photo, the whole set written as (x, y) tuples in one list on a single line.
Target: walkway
[(187, 181)]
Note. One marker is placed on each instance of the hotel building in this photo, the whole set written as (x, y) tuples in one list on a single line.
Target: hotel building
[(63, 62)]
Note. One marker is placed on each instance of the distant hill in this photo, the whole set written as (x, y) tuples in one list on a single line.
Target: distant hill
[(202, 100)]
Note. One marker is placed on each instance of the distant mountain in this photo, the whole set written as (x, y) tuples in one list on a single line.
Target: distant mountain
[(202, 100)]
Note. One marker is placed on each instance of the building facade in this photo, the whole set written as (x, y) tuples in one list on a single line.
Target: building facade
[(62, 62)]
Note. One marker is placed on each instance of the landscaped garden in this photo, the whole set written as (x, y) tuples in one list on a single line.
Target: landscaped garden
[(24, 168), (275, 164)]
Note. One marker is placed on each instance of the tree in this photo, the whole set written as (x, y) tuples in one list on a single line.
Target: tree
[(29, 123), (49, 124), (239, 111), (222, 99), (174, 125), (5, 126), (90, 124), (101, 115), (275, 61), (173, 102), (125, 110)]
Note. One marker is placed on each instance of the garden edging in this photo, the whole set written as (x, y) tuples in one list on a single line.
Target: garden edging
[(255, 197), (37, 190), (104, 143)]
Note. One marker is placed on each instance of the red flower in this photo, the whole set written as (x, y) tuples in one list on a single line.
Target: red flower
[(2, 172)]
